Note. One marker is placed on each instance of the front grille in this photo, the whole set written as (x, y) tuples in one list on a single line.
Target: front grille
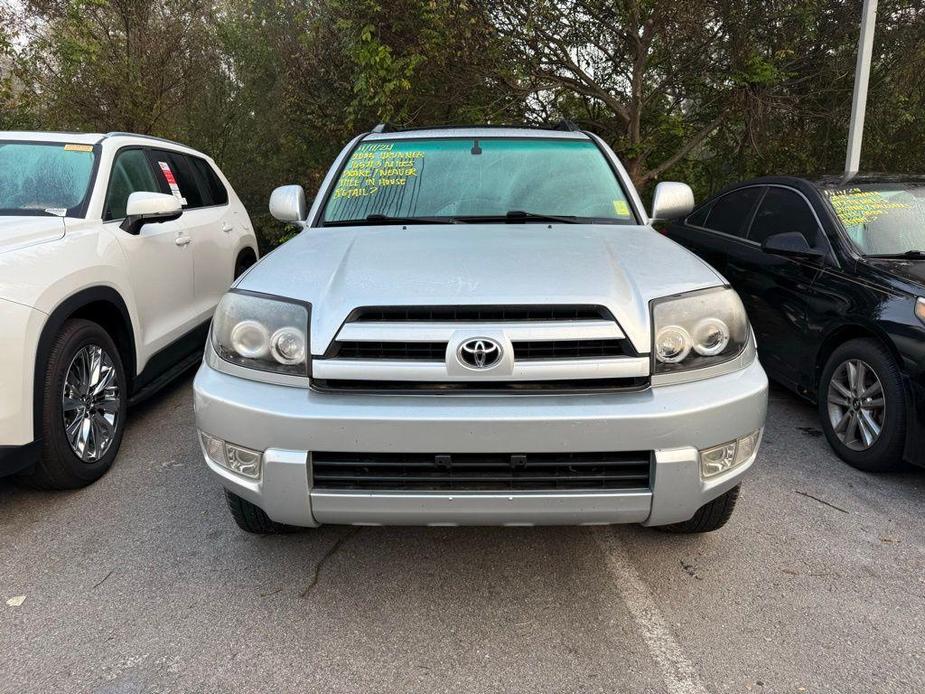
[(436, 351), (481, 471), (552, 349), (479, 313), (422, 351), (570, 349)]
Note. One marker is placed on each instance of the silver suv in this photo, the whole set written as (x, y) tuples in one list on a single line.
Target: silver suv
[(478, 326)]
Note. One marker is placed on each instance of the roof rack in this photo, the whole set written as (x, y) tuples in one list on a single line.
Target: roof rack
[(147, 137), (563, 125)]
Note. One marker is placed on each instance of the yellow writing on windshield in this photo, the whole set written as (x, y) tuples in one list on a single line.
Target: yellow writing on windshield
[(855, 207), (374, 167)]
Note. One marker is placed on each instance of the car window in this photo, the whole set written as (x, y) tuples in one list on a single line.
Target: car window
[(180, 177), (699, 217), (214, 191), (783, 211), (881, 218), (730, 213), (131, 173), (478, 180), (43, 178)]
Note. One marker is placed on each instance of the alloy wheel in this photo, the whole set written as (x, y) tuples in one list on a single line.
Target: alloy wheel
[(91, 402), (856, 404)]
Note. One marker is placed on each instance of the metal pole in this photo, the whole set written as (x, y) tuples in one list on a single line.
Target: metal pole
[(861, 78)]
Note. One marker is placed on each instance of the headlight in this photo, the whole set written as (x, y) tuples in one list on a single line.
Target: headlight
[(262, 332), (696, 330), (920, 308)]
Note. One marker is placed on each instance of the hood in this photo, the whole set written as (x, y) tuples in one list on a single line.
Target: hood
[(340, 269), (20, 231), (910, 271)]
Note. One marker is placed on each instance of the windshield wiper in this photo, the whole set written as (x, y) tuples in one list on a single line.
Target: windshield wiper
[(377, 218), (915, 254), (519, 216)]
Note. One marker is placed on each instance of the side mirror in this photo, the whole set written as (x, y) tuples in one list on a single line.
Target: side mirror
[(671, 201), (287, 204), (790, 243), (148, 208)]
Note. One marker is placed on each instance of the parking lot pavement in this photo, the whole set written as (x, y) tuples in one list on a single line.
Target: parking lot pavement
[(142, 583)]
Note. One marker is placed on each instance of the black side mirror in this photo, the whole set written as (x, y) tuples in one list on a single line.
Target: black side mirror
[(791, 243)]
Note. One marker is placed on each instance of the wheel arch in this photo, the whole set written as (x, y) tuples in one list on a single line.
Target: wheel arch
[(246, 252), (840, 334), (249, 255), (102, 305)]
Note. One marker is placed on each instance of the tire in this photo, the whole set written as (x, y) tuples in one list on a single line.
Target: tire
[(252, 519), (709, 517), (849, 440), (60, 465)]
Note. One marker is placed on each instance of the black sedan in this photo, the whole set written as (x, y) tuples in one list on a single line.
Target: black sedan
[(832, 273)]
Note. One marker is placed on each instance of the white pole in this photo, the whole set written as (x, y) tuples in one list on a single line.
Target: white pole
[(861, 78)]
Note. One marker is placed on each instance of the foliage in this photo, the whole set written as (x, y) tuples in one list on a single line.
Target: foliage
[(707, 91)]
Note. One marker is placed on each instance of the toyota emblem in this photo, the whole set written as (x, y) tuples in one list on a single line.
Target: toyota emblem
[(479, 353)]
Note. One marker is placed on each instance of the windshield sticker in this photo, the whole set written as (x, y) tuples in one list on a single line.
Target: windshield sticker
[(620, 208), (78, 148), (855, 207), (171, 181), (376, 168), (56, 211)]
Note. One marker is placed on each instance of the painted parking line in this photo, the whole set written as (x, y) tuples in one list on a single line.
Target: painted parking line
[(678, 673)]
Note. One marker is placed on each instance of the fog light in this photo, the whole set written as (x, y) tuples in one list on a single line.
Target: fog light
[(243, 461), (718, 459), (747, 446), (724, 457), (214, 448)]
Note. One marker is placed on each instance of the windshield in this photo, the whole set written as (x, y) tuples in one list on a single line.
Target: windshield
[(44, 178), (882, 218), (471, 180)]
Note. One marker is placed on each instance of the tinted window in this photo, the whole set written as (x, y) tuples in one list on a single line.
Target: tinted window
[(783, 211), (731, 212), (180, 176), (131, 173), (214, 190), (698, 218)]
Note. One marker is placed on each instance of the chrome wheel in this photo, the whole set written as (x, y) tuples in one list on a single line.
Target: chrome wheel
[(856, 404), (90, 403)]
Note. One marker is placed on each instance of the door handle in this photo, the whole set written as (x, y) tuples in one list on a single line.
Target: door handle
[(183, 240), (227, 226)]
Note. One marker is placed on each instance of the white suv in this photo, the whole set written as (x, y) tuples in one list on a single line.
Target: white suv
[(114, 251)]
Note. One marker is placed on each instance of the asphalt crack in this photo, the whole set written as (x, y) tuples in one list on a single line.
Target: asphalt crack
[(821, 501), (332, 550), (102, 580)]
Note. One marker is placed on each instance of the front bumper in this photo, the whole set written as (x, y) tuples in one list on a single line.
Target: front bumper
[(287, 423), (21, 327), (915, 421)]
